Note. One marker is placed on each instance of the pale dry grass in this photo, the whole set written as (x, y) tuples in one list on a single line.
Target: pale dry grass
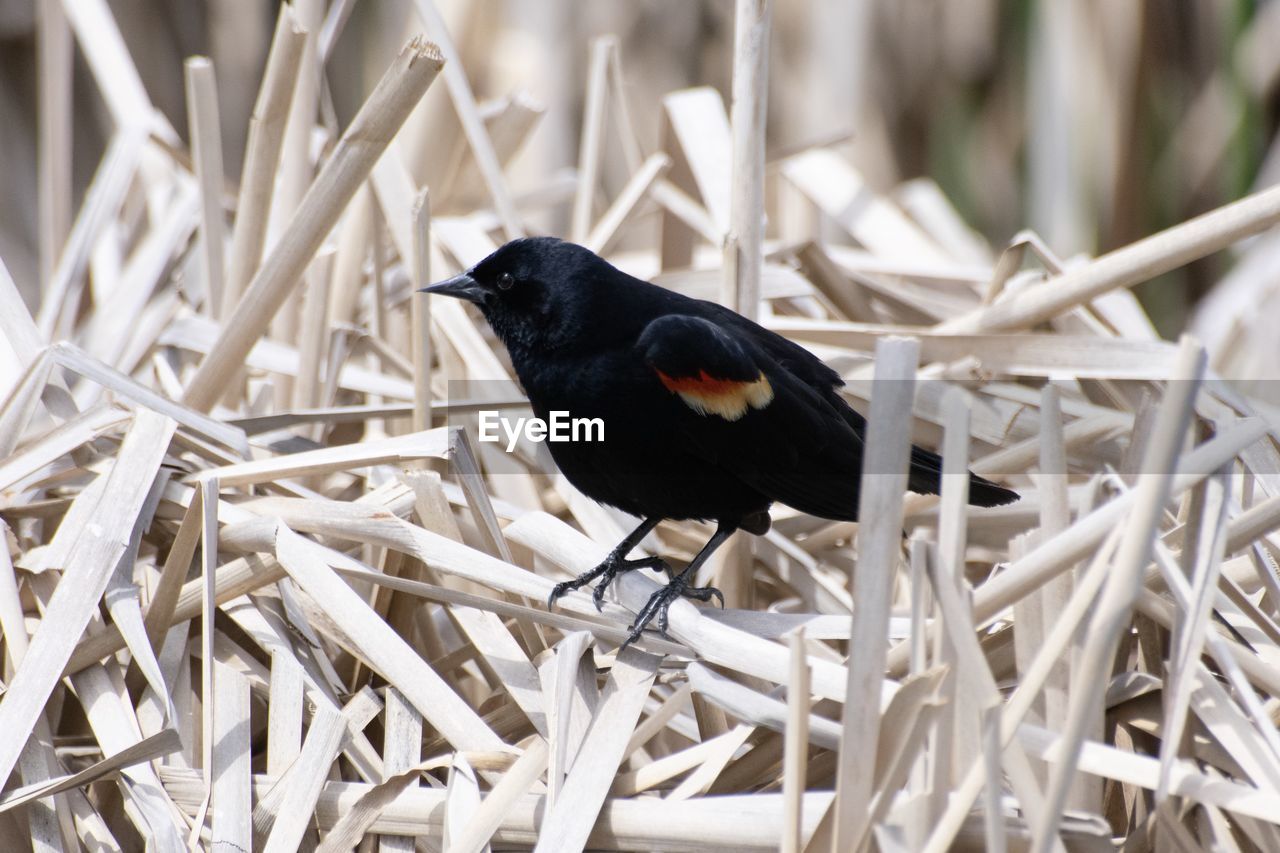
[(247, 603)]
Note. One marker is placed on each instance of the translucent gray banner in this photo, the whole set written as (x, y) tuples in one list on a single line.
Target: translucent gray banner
[(1005, 423)]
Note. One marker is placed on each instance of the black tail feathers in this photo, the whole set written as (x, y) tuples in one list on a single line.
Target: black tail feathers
[(986, 493), (926, 478)]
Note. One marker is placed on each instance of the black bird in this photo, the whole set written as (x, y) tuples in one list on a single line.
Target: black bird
[(707, 415)]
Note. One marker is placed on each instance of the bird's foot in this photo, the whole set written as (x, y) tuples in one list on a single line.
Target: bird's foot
[(612, 566), (660, 602)]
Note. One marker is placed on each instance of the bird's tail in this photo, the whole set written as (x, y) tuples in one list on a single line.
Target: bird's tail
[(926, 478), (983, 492)]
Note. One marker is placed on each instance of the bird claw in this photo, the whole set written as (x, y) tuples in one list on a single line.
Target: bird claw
[(659, 604), (562, 589), (612, 566), (705, 593)]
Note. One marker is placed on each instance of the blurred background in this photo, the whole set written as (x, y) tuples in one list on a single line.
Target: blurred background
[(1093, 122)]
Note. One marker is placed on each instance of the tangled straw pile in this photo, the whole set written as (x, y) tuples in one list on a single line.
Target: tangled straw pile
[(245, 603)]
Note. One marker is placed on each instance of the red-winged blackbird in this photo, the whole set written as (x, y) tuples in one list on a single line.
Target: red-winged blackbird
[(707, 415)]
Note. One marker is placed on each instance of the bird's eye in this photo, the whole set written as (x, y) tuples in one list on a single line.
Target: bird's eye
[(505, 281)]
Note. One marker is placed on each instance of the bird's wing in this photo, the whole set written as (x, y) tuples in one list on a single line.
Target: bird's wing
[(773, 419), (797, 360), (743, 410), (705, 366), (924, 475)]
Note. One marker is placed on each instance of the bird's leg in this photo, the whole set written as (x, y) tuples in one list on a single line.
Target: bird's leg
[(613, 564), (660, 601)]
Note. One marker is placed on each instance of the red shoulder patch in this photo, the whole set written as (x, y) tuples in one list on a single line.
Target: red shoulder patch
[(727, 398)]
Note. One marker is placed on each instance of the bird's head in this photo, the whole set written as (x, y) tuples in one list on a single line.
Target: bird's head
[(535, 291)]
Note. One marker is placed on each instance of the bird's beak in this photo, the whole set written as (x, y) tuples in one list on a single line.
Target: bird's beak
[(461, 286)]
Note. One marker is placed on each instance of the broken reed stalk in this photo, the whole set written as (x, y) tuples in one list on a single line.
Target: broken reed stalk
[(262, 156), (231, 825), (420, 311), (953, 512), (208, 608), (592, 141), (313, 334), (996, 835), (883, 483), (366, 138), (1202, 557), (53, 79), (402, 750), (206, 155), (795, 760), (297, 170), (1055, 516), (751, 29)]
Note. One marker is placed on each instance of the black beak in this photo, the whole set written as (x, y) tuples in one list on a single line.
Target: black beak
[(461, 286)]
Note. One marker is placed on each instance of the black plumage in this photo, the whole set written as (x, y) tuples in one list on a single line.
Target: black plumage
[(707, 415)]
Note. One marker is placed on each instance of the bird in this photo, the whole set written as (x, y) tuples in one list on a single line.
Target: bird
[(708, 415)]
